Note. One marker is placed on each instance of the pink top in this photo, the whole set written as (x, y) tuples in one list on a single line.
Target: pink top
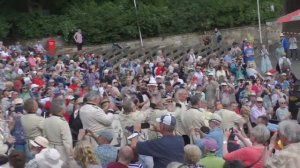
[(78, 37), (248, 156)]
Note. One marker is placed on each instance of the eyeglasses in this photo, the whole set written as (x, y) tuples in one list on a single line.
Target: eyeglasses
[(283, 103), (259, 102)]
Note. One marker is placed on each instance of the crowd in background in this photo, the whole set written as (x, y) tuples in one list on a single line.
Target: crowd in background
[(223, 110)]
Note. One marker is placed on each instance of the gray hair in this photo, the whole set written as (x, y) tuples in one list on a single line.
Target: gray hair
[(192, 154), (90, 96), (290, 129), (127, 106), (195, 99), (29, 105), (261, 134), (169, 128), (57, 105)]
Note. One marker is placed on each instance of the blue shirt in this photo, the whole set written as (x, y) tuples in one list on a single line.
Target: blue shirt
[(163, 150), (218, 135), (106, 153), (249, 54)]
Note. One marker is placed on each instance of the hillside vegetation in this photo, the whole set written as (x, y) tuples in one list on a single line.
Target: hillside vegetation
[(105, 21)]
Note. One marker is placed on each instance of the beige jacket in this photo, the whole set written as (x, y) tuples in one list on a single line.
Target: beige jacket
[(32, 125), (192, 118), (229, 118), (94, 118), (58, 133)]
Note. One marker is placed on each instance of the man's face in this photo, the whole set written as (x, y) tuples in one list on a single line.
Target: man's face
[(169, 88), (128, 82), (259, 104)]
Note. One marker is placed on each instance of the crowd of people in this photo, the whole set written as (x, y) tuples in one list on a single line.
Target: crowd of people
[(204, 112)]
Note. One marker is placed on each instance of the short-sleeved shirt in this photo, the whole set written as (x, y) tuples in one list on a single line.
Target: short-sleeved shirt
[(218, 135), (248, 155), (281, 113), (106, 153), (212, 161), (163, 150)]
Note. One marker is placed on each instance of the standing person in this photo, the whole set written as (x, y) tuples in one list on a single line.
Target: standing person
[(284, 42), (211, 88), (78, 39), (293, 47), (164, 150), (57, 131), (265, 60), (248, 53), (218, 36), (32, 123), (93, 117)]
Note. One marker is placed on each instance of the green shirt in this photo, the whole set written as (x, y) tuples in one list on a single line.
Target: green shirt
[(212, 161)]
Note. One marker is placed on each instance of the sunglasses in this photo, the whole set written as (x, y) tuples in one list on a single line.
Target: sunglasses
[(259, 102)]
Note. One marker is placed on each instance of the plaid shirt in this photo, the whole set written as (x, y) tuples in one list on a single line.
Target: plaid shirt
[(286, 158)]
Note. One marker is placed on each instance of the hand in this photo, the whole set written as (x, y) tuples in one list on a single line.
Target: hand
[(274, 139), (81, 134), (238, 133), (11, 140), (137, 127), (226, 134)]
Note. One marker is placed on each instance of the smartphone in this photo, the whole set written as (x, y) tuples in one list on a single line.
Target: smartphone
[(145, 125), (129, 128)]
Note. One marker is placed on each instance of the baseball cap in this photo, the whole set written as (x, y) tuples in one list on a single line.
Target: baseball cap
[(209, 144), (39, 141), (18, 101), (223, 84), (215, 117), (210, 74), (259, 99), (106, 134), (167, 120), (34, 86)]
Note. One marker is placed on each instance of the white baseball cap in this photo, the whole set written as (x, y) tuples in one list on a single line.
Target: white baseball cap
[(167, 120)]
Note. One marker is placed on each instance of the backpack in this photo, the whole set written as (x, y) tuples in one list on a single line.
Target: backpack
[(285, 66)]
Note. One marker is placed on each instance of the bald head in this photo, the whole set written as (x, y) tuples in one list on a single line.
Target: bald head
[(125, 155)]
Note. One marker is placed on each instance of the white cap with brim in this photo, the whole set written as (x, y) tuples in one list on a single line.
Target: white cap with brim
[(210, 74), (152, 82), (40, 141), (167, 120), (259, 99), (268, 74), (34, 86), (106, 134), (216, 117)]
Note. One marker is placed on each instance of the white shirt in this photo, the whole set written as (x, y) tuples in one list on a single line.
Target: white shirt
[(256, 112), (40, 47), (282, 59), (293, 43), (21, 59), (78, 37)]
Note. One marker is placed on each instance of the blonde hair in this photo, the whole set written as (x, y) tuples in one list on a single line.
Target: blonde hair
[(84, 154), (192, 154)]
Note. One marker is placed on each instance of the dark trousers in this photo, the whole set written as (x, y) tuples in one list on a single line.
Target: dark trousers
[(293, 53), (79, 46)]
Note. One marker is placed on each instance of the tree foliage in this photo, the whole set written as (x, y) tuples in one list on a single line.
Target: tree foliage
[(114, 20)]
